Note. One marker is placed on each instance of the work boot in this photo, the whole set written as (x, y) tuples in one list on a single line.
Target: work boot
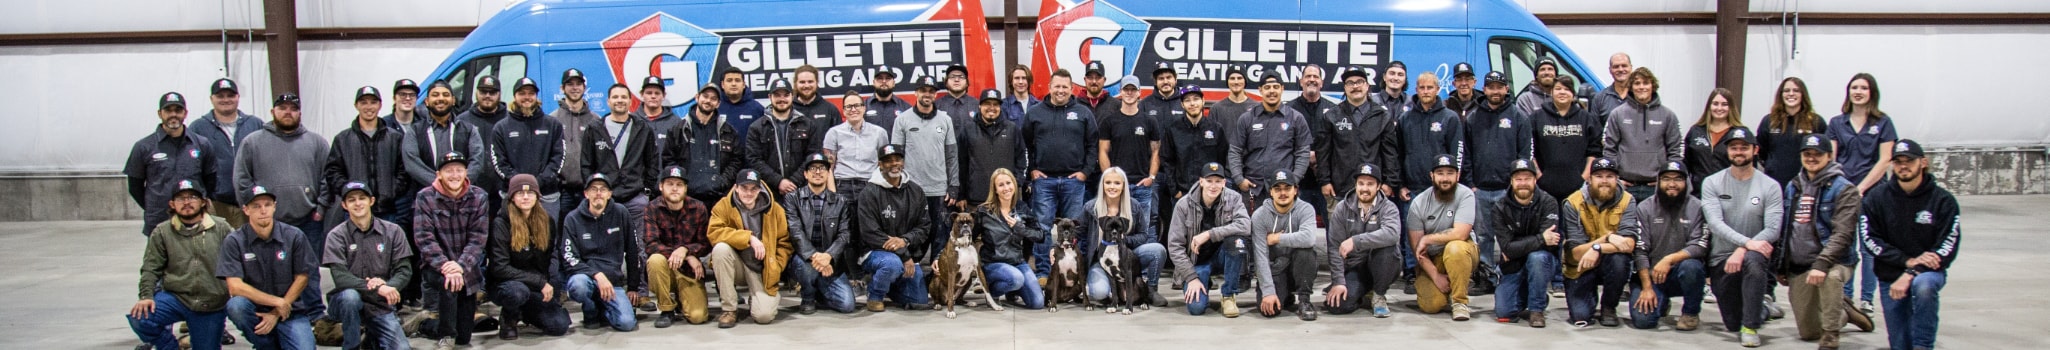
[(1230, 306), (807, 307), (1305, 309), (727, 319), (665, 319), (1857, 318), (1537, 319), (509, 331), (1829, 341), (1687, 322), (875, 306), (1608, 319)]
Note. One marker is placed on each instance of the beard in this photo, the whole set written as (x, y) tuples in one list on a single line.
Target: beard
[(1602, 193), (1672, 202), (1444, 190), (441, 110), (182, 216), (1524, 194), (1745, 163)]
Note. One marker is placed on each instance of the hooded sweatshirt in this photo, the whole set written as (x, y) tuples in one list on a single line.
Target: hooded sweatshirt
[(1739, 211), (1060, 140), (1533, 97), (740, 113), (736, 225), (179, 259), (1899, 225), (1585, 219), (1355, 135), (1374, 227), (1521, 227), (1822, 221), (486, 124), (1228, 219), (604, 243), (575, 118), (1642, 137), (529, 144), (285, 163), (1565, 142), (883, 211), (1298, 230), (1662, 229), (1496, 136), (1427, 131)]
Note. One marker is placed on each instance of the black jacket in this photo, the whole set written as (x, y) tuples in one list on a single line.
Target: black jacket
[(1265, 142), (1565, 141), (1318, 115), (882, 212), (1061, 140), (635, 176), (825, 229), (1007, 243), (158, 162), (373, 159), (1521, 228), (776, 148), (1704, 156), (824, 113), (708, 152), (983, 149), (486, 125), (1428, 131), (1495, 138), (528, 144), (1184, 149), (607, 244), (1364, 134), (532, 267), (1898, 225)]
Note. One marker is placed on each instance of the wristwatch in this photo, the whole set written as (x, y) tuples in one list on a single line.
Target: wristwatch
[(1597, 248)]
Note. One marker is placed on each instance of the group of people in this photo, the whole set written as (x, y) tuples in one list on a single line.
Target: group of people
[(1450, 193)]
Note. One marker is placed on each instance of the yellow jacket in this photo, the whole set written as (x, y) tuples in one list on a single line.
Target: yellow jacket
[(1586, 221), (728, 227)]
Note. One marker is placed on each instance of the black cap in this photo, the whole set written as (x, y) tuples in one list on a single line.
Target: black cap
[(1546, 62), (1367, 170), (1214, 169), (1674, 167), (992, 95), (924, 83), (404, 84), (452, 157), (885, 70), (1909, 148), (1235, 69), (655, 81), (1816, 142), (1521, 165), (170, 99), (779, 85), (572, 74), (714, 87), (1462, 69), (1094, 68), (1444, 161), (597, 178), (748, 176), (1495, 77), (367, 91), (1269, 78), (355, 186), (1601, 164), (957, 68), (1740, 133), (223, 84), (889, 150), (189, 185), (675, 172), (487, 84), (1283, 177), (1190, 90), (524, 83), (1162, 69), (1354, 72), (285, 98), (259, 192), (817, 158)]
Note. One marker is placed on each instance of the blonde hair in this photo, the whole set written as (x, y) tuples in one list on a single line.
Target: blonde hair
[(1124, 199), (993, 200)]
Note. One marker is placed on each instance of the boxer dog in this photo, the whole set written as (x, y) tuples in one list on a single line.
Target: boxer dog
[(1119, 265), (1070, 269), (959, 267)]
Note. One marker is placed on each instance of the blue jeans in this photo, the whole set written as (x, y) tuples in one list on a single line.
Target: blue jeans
[(1599, 289), (1009, 279), (346, 307), (1688, 279), (519, 303), (155, 329), (619, 312), (1911, 321), (294, 333), (886, 279), (1483, 237), (1230, 262), (1055, 197), (1408, 260), (1871, 283), (831, 292), (1143, 199), (1150, 256), (1525, 290)]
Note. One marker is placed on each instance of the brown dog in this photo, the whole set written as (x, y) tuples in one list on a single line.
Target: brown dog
[(959, 267), (1070, 269)]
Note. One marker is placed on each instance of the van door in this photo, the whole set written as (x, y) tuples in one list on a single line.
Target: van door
[(507, 66), (1516, 55)]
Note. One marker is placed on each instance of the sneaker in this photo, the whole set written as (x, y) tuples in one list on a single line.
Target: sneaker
[(727, 319), (807, 308), (1749, 337), (1581, 324), (665, 319), (1460, 312), (875, 306), (593, 323), (144, 347), (1773, 310), (1537, 319), (1687, 322), (445, 344), (1865, 305), (1608, 319), (917, 307), (1380, 306), (1230, 306), (1409, 287), (227, 339), (1557, 292), (1305, 309), (1829, 341)]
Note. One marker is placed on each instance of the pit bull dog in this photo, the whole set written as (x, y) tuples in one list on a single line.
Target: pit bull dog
[(1070, 269), (1119, 265), (959, 267)]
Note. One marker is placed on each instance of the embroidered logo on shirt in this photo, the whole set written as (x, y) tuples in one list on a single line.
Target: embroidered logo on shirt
[(1209, 134), (380, 247), (1872, 130), (281, 256), (540, 132), (1071, 115), (1505, 123), (248, 256), (1258, 127), (352, 247), (1925, 218), (1284, 126), (159, 156), (746, 116), (195, 154), (890, 212), (512, 134), (1701, 141), (1757, 201), (1435, 127), (1140, 131), (587, 235)]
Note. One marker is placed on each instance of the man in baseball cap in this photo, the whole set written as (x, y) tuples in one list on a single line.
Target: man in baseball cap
[(371, 260), (1465, 97), (1094, 95), (1198, 253), (1528, 230), (1440, 225), (1539, 92), (821, 234), (1278, 139), (173, 291), (958, 102), (1364, 260), (896, 208), (1823, 219), (225, 126), (157, 163), (270, 273), (1597, 262), (1746, 218), (1669, 262), (1914, 233), (677, 247), (1290, 270), (883, 109)]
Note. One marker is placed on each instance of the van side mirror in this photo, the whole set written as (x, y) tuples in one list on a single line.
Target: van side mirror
[(1586, 92)]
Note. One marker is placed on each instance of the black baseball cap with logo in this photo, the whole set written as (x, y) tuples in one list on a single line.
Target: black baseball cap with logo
[(889, 150), (1444, 161), (1817, 143), (817, 158), (1269, 78), (526, 83), (1367, 170), (1495, 78), (674, 172), (1162, 69), (260, 192), (1740, 133), (924, 83), (223, 84), (597, 178), (487, 84), (170, 99), (1462, 69), (452, 157), (400, 87), (189, 185), (779, 85), (989, 95), (885, 71), (286, 98), (957, 68), (357, 186), (1674, 167), (1522, 165), (1283, 178), (1610, 165), (1908, 148), (1351, 73), (1095, 68), (1214, 169), (655, 81), (572, 74), (367, 91)]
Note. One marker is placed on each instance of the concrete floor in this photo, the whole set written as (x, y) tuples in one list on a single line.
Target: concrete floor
[(67, 285)]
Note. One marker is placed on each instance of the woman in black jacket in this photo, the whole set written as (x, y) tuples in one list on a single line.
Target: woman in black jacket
[(1007, 239), (524, 272), (1705, 152)]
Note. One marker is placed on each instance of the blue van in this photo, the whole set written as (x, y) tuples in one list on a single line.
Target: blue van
[(686, 42)]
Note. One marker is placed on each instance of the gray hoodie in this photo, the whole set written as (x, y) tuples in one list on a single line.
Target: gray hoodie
[(1188, 217), (1739, 211), (1298, 229), (286, 164), (1378, 228), (1642, 137)]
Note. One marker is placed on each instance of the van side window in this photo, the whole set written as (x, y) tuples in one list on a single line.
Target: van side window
[(508, 68), (1518, 58)]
